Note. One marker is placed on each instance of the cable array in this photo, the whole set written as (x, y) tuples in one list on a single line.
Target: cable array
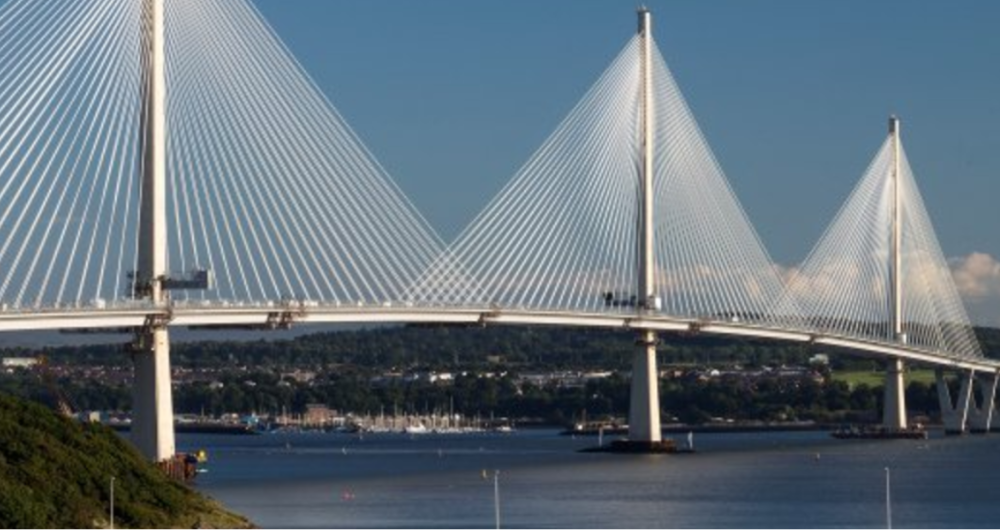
[(711, 262), (269, 188), (844, 286), (70, 106), (563, 234)]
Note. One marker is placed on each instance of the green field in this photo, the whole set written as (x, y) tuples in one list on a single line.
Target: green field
[(873, 379)]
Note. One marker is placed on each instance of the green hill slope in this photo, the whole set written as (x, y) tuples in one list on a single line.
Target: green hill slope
[(55, 473)]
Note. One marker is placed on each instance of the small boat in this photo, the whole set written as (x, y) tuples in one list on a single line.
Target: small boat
[(596, 428), (418, 428)]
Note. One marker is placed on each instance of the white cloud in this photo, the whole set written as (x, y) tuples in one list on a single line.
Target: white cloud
[(977, 276)]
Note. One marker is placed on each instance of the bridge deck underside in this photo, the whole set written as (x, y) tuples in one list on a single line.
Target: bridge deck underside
[(266, 316)]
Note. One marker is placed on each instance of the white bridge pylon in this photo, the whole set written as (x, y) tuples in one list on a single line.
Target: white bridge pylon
[(623, 210), (564, 233), (845, 287), (878, 274)]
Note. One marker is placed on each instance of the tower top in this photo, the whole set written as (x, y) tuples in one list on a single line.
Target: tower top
[(645, 20), (893, 124)]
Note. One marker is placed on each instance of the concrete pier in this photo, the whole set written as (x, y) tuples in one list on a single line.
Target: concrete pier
[(152, 397), (152, 408), (954, 415), (894, 404)]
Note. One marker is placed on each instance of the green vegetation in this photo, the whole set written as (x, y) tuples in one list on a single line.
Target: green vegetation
[(352, 371), (55, 473), (451, 347), (690, 397), (874, 378), (446, 348)]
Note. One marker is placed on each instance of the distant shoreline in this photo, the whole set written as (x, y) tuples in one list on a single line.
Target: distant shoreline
[(725, 428)]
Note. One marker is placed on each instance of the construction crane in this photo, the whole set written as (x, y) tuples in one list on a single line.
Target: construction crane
[(48, 380)]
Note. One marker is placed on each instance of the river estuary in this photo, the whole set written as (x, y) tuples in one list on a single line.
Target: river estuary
[(756, 480)]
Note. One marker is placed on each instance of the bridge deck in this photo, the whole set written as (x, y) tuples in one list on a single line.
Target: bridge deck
[(271, 316)]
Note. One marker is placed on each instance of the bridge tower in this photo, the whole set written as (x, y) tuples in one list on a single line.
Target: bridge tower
[(644, 406), (894, 403), (152, 402)]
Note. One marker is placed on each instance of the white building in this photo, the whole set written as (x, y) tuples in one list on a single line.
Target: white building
[(19, 362)]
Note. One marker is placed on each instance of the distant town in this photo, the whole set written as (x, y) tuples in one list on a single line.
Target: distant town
[(414, 379)]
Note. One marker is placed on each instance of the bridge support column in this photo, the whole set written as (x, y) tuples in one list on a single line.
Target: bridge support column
[(152, 407), (644, 406), (981, 415), (954, 415), (152, 396), (894, 402), (644, 433)]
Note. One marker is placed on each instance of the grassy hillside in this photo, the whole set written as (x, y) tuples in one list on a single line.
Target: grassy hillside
[(55, 473)]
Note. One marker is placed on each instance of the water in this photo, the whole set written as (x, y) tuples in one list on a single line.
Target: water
[(758, 480)]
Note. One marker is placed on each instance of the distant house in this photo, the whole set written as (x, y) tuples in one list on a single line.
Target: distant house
[(820, 359), (437, 378), (300, 376), (318, 415), (90, 417), (19, 362)]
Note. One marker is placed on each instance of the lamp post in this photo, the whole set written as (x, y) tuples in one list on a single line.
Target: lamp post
[(111, 509), (496, 495), (888, 500)]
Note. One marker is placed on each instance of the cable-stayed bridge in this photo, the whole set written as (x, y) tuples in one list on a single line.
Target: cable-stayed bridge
[(169, 163)]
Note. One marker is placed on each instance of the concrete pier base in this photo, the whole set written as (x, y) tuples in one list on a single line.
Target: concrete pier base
[(630, 447), (894, 404), (644, 406), (152, 396), (644, 430)]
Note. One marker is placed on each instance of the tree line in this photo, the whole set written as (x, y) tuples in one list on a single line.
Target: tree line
[(346, 362)]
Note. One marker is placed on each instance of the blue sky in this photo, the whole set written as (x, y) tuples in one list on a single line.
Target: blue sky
[(453, 97)]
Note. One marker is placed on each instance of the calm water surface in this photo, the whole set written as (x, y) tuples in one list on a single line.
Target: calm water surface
[(759, 480)]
